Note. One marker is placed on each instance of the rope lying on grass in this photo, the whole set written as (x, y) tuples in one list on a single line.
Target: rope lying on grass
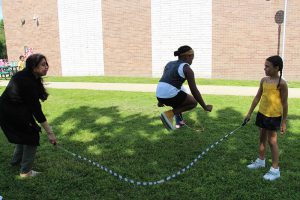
[(149, 183)]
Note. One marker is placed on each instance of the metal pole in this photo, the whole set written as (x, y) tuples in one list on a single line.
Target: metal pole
[(279, 31), (284, 29)]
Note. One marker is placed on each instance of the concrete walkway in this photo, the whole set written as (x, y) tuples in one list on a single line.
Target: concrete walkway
[(204, 89)]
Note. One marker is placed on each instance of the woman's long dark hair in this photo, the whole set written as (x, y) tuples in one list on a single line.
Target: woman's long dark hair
[(32, 62), (277, 61)]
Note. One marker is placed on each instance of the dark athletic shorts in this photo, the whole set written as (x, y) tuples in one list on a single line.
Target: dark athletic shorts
[(270, 123), (174, 102)]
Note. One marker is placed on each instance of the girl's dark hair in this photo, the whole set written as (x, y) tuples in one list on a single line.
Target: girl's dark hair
[(32, 62), (182, 50), (277, 61)]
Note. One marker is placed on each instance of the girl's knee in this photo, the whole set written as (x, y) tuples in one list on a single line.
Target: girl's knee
[(272, 141), (194, 104)]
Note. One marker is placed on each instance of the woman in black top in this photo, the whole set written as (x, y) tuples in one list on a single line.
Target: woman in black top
[(20, 108)]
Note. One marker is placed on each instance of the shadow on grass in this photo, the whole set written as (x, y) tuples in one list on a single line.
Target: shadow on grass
[(121, 140), (135, 144)]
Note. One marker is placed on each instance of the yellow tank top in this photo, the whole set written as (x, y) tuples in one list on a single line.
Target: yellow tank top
[(21, 65), (270, 102)]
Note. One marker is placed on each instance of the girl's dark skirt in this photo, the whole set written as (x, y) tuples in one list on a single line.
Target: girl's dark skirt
[(269, 123)]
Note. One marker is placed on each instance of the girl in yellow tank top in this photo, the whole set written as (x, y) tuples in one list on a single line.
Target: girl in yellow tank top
[(270, 103), (272, 95)]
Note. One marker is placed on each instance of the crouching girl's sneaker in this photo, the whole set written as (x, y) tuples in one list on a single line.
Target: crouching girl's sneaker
[(179, 121)]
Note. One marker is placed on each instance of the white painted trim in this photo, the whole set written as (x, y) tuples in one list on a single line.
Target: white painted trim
[(81, 37), (284, 30), (177, 23)]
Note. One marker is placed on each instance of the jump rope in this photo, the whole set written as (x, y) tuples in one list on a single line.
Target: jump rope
[(160, 181)]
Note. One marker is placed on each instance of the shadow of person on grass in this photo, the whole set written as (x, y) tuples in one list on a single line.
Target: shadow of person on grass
[(128, 135), (119, 140), (135, 144)]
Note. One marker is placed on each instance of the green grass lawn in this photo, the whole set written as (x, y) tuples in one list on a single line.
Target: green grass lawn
[(122, 130), (200, 81)]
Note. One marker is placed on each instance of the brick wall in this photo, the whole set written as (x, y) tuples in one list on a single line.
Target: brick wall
[(43, 38), (127, 37), (245, 34)]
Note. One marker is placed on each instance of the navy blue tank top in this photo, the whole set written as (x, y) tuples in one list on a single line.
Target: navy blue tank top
[(171, 75)]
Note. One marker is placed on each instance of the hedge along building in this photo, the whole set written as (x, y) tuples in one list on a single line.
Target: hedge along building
[(137, 38)]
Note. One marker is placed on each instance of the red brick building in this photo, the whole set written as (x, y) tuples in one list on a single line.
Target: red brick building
[(231, 39)]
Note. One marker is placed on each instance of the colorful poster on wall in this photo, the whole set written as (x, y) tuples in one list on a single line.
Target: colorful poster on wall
[(27, 51)]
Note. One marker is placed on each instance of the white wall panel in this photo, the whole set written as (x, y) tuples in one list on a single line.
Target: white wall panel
[(81, 38), (177, 23)]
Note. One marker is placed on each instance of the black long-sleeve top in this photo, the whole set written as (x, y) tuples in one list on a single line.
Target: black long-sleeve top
[(24, 89), (20, 108)]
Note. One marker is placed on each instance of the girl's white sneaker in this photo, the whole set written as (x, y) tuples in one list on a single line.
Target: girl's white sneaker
[(272, 174), (258, 163)]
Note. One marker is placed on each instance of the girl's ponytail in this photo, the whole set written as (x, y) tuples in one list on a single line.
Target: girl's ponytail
[(277, 61)]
